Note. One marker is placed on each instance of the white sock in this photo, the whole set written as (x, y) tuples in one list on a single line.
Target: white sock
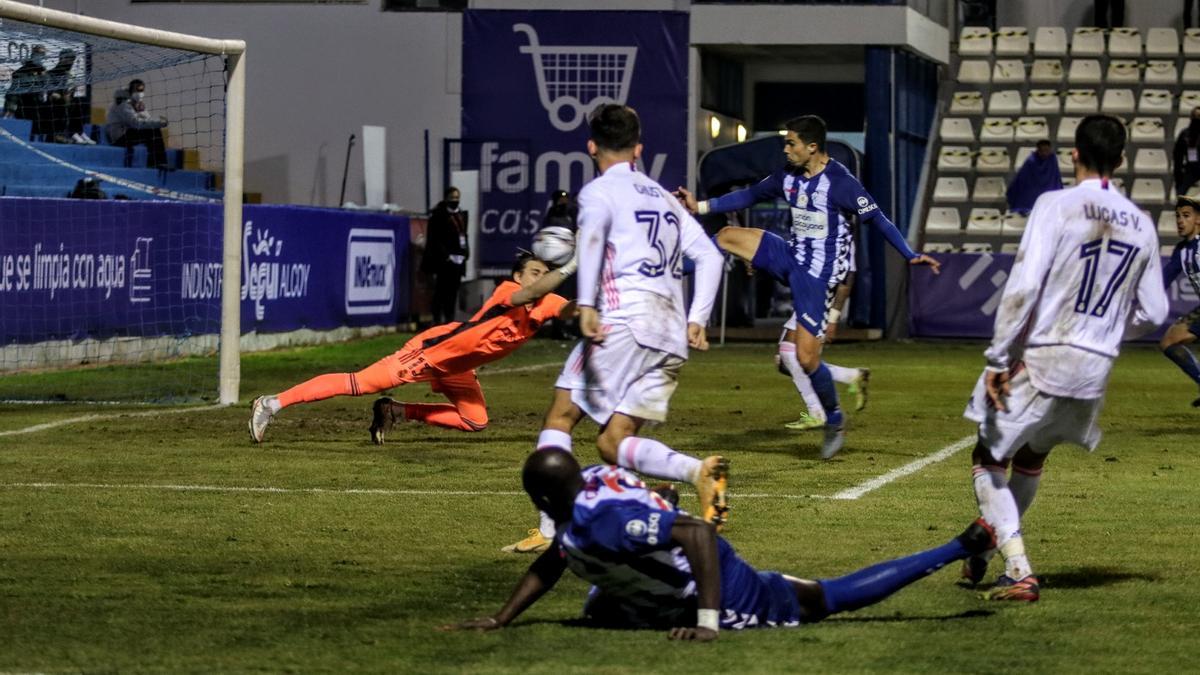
[(272, 404), (787, 354), (649, 457), (553, 438), (999, 508), (1024, 486), (842, 374), (547, 525)]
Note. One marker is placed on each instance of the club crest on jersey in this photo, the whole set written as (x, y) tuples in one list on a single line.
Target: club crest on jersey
[(802, 199)]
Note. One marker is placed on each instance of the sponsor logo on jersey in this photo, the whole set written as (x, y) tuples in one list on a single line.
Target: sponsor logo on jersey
[(865, 206), (636, 528)]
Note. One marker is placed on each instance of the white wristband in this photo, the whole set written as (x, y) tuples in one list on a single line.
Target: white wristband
[(569, 269), (702, 208), (707, 618), (835, 315)]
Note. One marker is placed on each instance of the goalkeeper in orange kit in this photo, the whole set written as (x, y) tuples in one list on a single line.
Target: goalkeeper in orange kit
[(446, 356)]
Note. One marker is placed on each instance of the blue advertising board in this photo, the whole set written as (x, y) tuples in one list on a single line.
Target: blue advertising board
[(75, 269), (530, 79)]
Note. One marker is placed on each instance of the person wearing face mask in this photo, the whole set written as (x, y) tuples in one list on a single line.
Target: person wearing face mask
[(446, 254), (129, 125), (26, 97)]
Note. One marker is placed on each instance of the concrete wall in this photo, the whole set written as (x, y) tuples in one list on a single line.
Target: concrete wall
[(1143, 14)]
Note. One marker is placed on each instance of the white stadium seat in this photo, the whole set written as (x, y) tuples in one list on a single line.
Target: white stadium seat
[(983, 221), (1031, 129), (950, 189), (1005, 102), (977, 247), (1146, 130), (1087, 41), (1155, 102), (1162, 73), (1162, 42), (957, 130), (1066, 130), (1084, 71), (1125, 41), (1166, 223), (1050, 41), (1180, 124), (1166, 250), (1188, 100), (1191, 42), (1008, 71), (1010, 247), (1150, 160), (939, 247), (1013, 224), (993, 160), (1022, 155), (996, 130), (1081, 101), (1117, 101), (975, 41), (1191, 72), (1122, 72), (1046, 71), (967, 103), (1119, 184), (989, 189), (1043, 102), (1068, 180), (1147, 191), (954, 158), (1012, 41), (943, 219), (974, 71), (1065, 164)]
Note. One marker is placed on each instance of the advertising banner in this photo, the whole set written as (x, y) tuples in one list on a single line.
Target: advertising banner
[(530, 79)]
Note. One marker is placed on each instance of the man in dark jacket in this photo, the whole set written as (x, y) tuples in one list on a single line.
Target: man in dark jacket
[(1187, 155), (1038, 174), (26, 97), (446, 254)]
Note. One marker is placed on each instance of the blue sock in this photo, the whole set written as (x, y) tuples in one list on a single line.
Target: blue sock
[(1185, 359), (872, 584), (822, 383)]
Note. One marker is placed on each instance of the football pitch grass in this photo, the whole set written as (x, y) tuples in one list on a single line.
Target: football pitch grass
[(170, 543)]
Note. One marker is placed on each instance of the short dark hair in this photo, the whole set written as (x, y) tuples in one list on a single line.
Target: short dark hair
[(1100, 141), (1044, 141), (615, 127), (810, 129), (1184, 200), (523, 258), (447, 191), (134, 83)]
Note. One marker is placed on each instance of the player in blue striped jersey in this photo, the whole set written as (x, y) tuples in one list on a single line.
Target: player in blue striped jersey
[(824, 198), (652, 566), (1185, 259)]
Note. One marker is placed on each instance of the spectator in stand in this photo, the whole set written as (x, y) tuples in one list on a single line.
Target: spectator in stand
[(1109, 13), (561, 212), (87, 188), (65, 112), (129, 125), (26, 97), (1038, 174), (446, 254), (1187, 159)]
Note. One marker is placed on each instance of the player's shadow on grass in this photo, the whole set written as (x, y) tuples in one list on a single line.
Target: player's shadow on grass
[(908, 618), (1091, 577)]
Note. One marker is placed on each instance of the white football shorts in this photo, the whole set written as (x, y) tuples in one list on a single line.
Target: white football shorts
[(1035, 418), (620, 376)]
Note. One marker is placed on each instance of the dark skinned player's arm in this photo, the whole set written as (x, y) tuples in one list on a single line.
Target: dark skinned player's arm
[(698, 540), (542, 575)]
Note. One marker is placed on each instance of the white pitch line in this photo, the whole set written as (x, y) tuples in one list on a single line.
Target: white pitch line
[(900, 472), (521, 369), (110, 416)]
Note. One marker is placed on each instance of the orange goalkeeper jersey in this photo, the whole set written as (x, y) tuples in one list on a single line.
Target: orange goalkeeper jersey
[(495, 331)]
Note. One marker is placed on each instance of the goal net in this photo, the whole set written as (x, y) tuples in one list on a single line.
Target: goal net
[(120, 181)]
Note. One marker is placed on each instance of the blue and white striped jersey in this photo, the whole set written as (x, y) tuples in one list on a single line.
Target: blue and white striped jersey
[(1184, 260), (822, 207)]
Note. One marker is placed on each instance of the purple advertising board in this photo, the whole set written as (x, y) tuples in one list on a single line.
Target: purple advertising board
[(961, 302), (530, 78)]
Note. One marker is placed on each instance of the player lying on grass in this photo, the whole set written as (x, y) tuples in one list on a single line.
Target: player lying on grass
[(653, 566), (1184, 260), (445, 356), (1087, 274)]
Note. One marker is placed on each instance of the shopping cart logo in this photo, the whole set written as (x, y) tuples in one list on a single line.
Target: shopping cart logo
[(573, 81)]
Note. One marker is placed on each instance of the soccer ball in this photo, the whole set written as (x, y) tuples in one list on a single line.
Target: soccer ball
[(554, 245)]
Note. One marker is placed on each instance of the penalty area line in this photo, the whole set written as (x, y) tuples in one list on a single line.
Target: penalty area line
[(900, 472), (109, 416)]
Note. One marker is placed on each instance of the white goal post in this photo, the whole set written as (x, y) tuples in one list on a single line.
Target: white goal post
[(234, 54)]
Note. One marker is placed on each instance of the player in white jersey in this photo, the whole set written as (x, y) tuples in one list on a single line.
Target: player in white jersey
[(633, 236), (1087, 274)]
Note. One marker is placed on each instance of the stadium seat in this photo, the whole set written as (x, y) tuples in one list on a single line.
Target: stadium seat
[(1162, 42), (1162, 73), (1166, 251), (939, 247), (1117, 101), (1119, 184), (1081, 101), (1008, 71), (1046, 71), (1188, 100), (1171, 192), (954, 158), (1147, 191), (1150, 160), (1154, 102), (1180, 124), (993, 160), (1068, 181), (1005, 102), (1146, 130), (1050, 41), (1125, 42), (1191, 72), (977, 248), (974, 71), (1084, 71), (950, 189), (957, 130), (983, 221), (1066, 165), (1010, 247), (1122, 72), (1022, 155), (1191, 42), (1031, 129), (1166, 223), (996, 130), (1012, 41), (943, 219), (1066, 130), (975, 41), (1013, 224), (1042, 102), (1087, 41), (967, 103), (988, 189)]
